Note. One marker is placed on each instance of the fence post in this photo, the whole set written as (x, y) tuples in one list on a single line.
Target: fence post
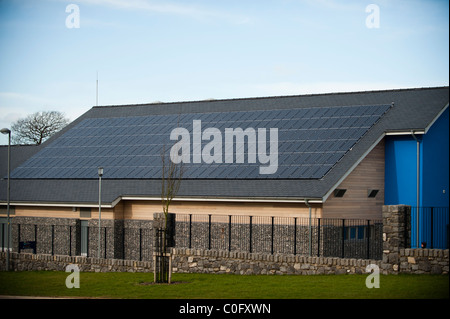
[(18, 237), (229, 232), (70, 240), (140, 244), (87, 243), (35, 238), (318, 237), (368, 240), (209, 232), (343, 237), (250, 249), (271, 247), (295, 235), (190, 231), (105, 242), (3, 235), (53, 239)]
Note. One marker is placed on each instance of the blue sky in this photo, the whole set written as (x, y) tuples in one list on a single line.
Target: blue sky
[(155, 50)]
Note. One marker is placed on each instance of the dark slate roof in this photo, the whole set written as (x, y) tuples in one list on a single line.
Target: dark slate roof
[(19, 154), (310, 141), (414, 109)]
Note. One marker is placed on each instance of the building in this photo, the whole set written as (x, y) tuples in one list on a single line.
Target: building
[(417, 163), (338, 155)]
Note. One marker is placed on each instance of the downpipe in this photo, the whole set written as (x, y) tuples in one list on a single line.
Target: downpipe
[(417, 186)]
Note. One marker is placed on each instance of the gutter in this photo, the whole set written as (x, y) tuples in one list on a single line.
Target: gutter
[(229, 199), (176, 199)]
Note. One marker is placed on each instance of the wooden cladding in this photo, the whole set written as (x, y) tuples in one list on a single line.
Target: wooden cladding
[(365, 179)]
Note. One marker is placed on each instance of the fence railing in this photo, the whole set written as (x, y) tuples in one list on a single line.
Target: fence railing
[(323, 237), (346, 238), (433, 227)]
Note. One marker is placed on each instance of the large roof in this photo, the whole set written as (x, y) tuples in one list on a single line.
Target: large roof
[(310, 141), (321, 138)]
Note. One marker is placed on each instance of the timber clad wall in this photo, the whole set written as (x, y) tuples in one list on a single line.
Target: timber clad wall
[(369, 174), (60, 212), (144, 209)]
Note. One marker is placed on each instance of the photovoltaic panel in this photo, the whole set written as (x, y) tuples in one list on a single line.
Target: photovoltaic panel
[(310, 142)]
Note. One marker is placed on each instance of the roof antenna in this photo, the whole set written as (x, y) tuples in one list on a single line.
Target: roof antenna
[(96, 93)]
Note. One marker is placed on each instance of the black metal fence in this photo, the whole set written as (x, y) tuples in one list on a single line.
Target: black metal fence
[(433, 227), (346, 238)]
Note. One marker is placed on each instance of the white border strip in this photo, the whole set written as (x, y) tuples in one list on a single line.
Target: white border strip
[(179, 199)]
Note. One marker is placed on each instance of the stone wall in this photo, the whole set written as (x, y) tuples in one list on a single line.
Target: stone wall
[(32, 262), (223, 262), (424, 261), (396, 234), (416, 261), (397, 257)]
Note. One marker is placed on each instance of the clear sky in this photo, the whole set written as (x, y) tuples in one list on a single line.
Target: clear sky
[(155, 50)]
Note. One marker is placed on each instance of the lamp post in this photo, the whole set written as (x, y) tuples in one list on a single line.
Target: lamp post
[(100, 174), (8, 226)]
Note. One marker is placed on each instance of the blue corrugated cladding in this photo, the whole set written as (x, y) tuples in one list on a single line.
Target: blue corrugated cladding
[(400, 180)]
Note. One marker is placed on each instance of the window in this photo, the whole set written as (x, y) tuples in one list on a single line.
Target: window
[(372, 193), (339, 192), (355, 232)]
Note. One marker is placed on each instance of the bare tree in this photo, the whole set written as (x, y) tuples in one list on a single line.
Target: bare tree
[(172, 174), (37, 127)]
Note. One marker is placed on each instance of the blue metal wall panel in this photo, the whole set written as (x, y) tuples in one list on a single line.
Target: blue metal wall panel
[(400, 181), (400, 170), (435, 185)]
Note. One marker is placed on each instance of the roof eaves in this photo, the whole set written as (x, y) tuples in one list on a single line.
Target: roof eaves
[(231, 199), (58, 204)]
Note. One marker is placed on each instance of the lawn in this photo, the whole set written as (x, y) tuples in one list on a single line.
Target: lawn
[(201, 286)]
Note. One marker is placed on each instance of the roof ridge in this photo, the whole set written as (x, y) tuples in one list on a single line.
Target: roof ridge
[(209, 100)]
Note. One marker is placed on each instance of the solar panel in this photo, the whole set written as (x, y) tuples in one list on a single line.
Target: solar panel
[(310, 141)]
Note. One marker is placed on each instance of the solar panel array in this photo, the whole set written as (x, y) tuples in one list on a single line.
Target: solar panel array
[(310, 142)]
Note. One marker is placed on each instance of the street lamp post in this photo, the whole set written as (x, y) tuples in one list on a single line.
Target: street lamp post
[(8, 224), (100, 174)]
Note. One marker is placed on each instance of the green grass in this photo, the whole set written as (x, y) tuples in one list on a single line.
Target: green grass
[(193, 286)]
